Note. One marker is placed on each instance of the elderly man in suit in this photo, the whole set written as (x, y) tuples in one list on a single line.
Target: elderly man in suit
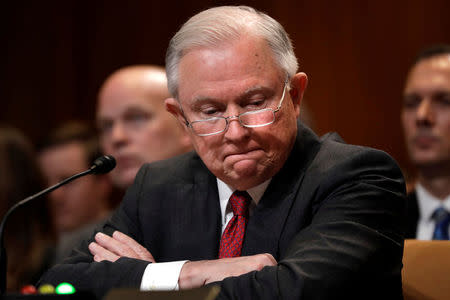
[(263, 208), (426, 124)]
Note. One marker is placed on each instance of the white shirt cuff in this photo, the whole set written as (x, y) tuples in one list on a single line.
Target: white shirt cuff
[(162, 276)]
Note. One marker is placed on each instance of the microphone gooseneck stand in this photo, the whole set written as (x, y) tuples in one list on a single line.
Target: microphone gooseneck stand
[(101, 165)]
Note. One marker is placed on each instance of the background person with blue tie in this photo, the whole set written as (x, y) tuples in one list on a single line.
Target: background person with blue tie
[(426, 125)]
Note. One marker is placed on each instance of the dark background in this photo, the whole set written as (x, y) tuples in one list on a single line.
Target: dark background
[(55, 55)]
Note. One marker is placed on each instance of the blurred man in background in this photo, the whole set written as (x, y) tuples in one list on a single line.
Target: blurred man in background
[(426, 124), (80, 205), (134, 125)]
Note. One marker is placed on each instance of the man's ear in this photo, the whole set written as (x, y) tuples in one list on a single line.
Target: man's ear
[(298, 86), (173, 107)]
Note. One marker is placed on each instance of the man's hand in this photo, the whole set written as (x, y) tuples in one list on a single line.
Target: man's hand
[(198, 273), (112, 248)]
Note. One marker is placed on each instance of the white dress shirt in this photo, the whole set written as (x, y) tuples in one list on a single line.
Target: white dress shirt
[(427, 205), (164, 276)]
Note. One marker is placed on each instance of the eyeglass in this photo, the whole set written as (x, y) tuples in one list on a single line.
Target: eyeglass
[(249, 119)]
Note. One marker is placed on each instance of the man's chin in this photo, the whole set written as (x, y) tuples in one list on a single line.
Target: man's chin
[(125, 178), (426, 157), (430, 162), (245, 168), (245, 174)]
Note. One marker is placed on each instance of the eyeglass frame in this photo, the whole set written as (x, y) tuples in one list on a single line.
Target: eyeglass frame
[(238, 117)]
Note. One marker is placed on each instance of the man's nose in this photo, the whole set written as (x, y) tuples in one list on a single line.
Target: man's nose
[(425, 113), (118, 134), (235, 129)]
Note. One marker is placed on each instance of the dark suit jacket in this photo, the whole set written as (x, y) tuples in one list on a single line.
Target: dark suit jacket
[(412, 216), (332, 218)]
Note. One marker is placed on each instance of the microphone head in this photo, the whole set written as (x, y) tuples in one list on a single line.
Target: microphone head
[(103, 164)]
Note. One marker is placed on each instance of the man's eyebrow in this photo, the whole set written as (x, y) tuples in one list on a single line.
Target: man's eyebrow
[(409, 94), (257, 89), (133, 109), (101, 119), (248, 92), (128, 110), (200, 99)]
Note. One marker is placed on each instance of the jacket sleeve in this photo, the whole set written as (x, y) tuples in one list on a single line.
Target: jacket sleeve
[(353, 246), (98, 277)]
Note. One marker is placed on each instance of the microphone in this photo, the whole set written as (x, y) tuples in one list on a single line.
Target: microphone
[(101, 165)]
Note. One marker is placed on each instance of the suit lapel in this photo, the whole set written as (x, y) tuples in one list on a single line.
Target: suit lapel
[(208, 209), (412, 215), (270, 216)]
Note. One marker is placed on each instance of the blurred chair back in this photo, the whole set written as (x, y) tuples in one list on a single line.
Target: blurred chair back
[(426, 270)]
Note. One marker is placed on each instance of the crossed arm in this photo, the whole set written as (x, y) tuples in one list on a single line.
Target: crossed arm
[(193, 273), (352, 244)]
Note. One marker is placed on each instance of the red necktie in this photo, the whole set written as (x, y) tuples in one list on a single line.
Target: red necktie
[(233, 236)]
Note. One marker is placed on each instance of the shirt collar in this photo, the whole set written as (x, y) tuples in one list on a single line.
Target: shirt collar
[(225, 192), (429, 203)]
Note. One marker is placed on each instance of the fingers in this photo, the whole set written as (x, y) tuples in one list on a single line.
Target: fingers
[(113, 245), (142, 253), (119, 245), (101, 253)]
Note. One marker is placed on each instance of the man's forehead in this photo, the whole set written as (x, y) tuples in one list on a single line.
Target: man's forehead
[(230, 55), (112, 113), (430, 74), (245, 93), (441, 61), (131, 100), (232, 75), (134, 90), (438, 63)]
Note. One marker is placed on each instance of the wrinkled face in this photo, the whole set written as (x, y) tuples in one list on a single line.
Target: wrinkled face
[(426, 112), (74, 204), (227, 81), (135, 127)]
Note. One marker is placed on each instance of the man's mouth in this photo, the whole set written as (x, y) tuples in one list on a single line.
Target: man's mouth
[(424, 141), (126, 161), (242, 154)]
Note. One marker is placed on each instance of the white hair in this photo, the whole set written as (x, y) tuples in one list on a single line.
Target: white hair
[(212, 27)]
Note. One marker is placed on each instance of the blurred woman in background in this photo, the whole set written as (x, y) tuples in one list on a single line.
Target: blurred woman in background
[(28, 234)]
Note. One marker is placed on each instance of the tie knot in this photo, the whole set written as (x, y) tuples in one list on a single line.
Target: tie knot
[(239, 202), (440, 215)]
